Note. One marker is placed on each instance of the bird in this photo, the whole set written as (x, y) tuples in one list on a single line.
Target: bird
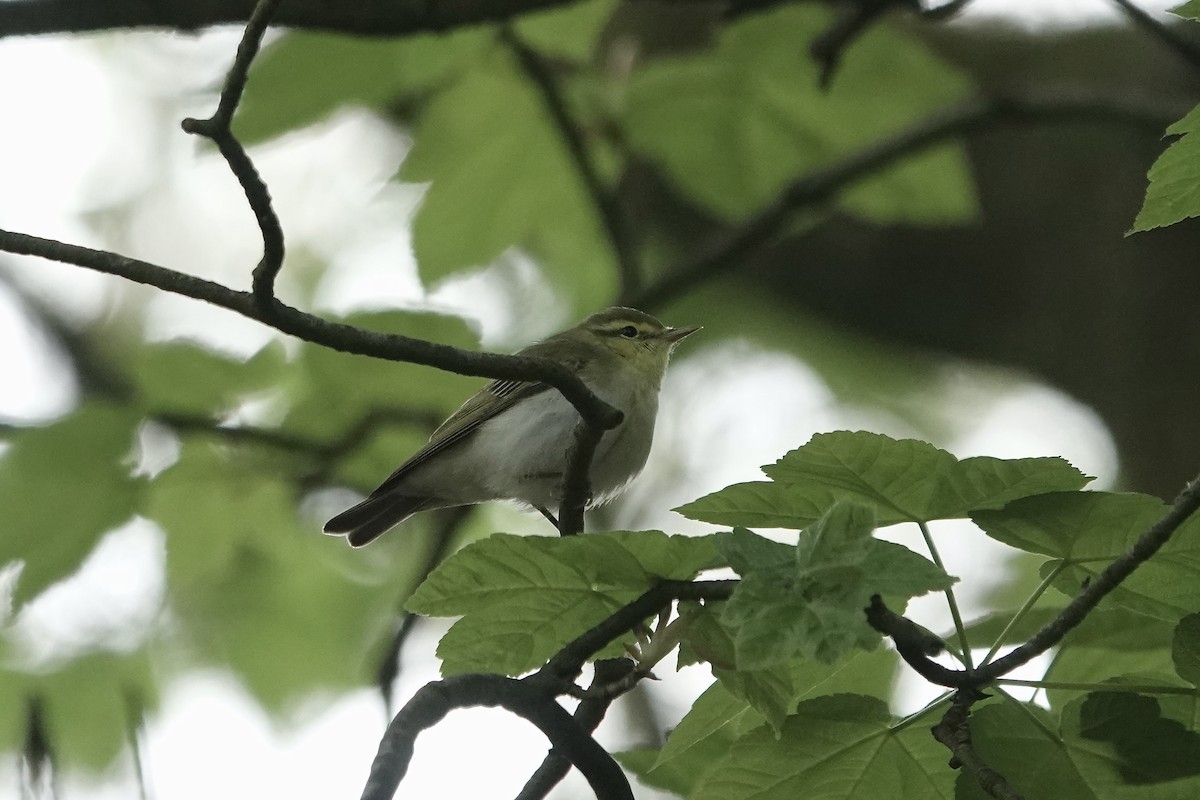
[(510, 440)]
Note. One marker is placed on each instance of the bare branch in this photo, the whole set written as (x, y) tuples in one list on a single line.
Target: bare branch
[(574, 137), (821, 186), (576, 486), (524, 698), (588, 715), (217, 128), (310, 328), (361, 17)]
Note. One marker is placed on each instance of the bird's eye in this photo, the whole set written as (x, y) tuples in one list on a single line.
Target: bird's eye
[(629, 332)]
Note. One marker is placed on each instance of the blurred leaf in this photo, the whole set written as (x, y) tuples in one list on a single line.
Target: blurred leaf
[(88, 706), (1088, 530), (833, 747), (569, 31), (500, 177), (807, 601), (255, 589), (1174, 191), (188, 378), (525, 597), (733, 125), (332, 391), (61, 487), (305, 76), (1185, 649)]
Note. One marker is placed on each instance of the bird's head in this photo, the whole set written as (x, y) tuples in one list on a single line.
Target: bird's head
[(633, 335)]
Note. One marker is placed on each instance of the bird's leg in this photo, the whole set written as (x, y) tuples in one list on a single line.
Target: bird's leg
[(546, 513)]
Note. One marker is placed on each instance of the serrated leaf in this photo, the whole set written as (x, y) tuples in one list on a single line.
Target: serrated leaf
[(1189, 10), (1088, 530), (525, 597), (911, 480), (62, 486), (833, 747), (1149, 748), (755, 98), (187, 378), (1185, 649), (1174, 190), (305, 76), (808, 601), (760, 504)]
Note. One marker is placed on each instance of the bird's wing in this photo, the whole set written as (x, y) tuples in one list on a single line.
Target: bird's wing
[(493, 399)]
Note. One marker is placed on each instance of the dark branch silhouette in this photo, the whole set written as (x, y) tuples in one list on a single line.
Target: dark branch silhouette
[(822, 185), (361, 18), (954, 731)]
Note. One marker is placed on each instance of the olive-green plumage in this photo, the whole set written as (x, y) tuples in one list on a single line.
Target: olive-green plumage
[(510, 439)]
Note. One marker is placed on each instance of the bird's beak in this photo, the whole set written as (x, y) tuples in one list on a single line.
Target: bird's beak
[(674, 335)]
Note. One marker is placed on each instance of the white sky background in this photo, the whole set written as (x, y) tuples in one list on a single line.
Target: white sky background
[(93, 122)]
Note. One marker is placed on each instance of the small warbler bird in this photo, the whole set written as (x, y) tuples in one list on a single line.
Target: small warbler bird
[(510, 440)]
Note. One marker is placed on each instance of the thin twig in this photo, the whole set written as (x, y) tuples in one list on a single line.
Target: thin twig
[(822, 185), (603, 198), (218, 129), (1184, 48), (576, 485)]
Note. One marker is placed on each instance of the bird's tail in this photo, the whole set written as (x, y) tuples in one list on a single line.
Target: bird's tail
[(376, 515)]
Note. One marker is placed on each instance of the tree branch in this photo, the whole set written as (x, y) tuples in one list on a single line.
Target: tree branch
[(822, 185), (334, 335), (357, 17), (217, 128), (588, 715), (1149, 543), (574, 137), (524, 698), (576, 486)]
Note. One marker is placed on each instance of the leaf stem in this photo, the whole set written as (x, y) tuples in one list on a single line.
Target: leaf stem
[(1024, 609), (961, 630), (1136, 688), (917, 716)]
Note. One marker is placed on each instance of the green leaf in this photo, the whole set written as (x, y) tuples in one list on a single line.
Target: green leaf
[(755, 99), (1174, 191), (525, 597), (88, 706), (500, 177), (833, 747), (62, 486), (1022, 742), (1149, 748), (254, 589), (1189, 10), (305, 76), (186, 378), (1185, 649), (811, 604), (1086, 531), (676, 777), (760, 504), (569, 32)]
